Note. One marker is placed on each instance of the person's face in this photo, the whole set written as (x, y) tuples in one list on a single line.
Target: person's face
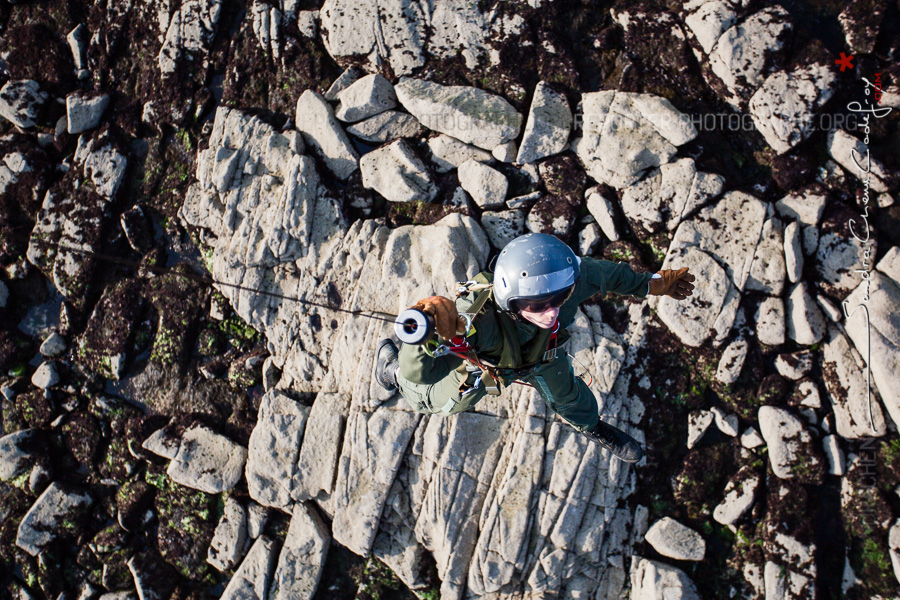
[(543, 319)]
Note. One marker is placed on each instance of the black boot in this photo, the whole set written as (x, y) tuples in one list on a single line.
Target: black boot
[(622, 445), (386, 364)]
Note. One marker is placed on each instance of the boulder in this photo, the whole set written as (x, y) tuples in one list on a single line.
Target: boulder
[(21, 101), (851, 153), (163, 442), (674, 540), (709, 21), (252, 579), (625, 135), (654, 580), (732, 361), (727, 423), (257, 517), (790, 445), (601, 209), (857, 410), (45, 376), (387, 126), (770, 322), (346, 79), (805, 322), (302, 557), (548, 125), (52, 513), (365, 97), (321, 131), (84, 111), (468, 114), (805, 206), (274, 448), (447, 153), (698, 422), (553, 215), (505, 153), (751, 439), (395, 172), (767, 271), (794, 366), (739, 494), (16, 454), (744, 53), (693, 319), (487, 186), (503, 227), (793, 252), (207, 461), (833, 454), (321, 447), (784, 107), (588, 238), (229, 542)]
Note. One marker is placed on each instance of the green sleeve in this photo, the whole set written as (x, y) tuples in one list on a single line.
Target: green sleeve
[(604, 276)]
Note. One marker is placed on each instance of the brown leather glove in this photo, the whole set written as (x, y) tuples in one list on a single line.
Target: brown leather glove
[(446, 318), (677, 284)]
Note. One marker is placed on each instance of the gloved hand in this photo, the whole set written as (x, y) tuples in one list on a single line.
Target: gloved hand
[(677, 284), (446, 318)]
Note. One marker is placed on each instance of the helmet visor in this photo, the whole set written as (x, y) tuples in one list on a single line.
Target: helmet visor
[(542, 303)]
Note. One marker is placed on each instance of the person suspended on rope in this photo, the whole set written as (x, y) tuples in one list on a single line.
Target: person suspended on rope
[(508, 325)]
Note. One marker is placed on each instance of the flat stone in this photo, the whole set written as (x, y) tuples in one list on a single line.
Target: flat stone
[(784, 107), (505, 153), (805, 322), (548, 126), (833, 455), (468, 114), (795, 365), (503, 226), (789, 445), (732, 361), (46, 376), (767, 271), (487, 186), (857, 413), (808, 393), (698, 422), (709, 21), (44, 520), (207, 461), (770, 321), (252, 579), (395, 172), (602, 210), (447, 153), (843, 147), (890, 264), (751, 439), (302, 557), (105, 164), (727, 423), (344, 80), (84, 111), (674, 540), (321, 131), (525, 201), (257, 517), (805, 206), (625, 135), (21, 101), (318, 460), (588, 238), (652, 580), (365, 97), (229, 541), (693, 318), (162, 442), (16, 454), (793, 252), (739, 495), (387, 126)]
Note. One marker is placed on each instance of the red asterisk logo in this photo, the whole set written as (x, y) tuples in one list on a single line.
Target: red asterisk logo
[(845, 61)]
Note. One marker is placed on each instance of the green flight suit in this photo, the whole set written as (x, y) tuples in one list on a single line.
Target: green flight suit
[(444, 385)]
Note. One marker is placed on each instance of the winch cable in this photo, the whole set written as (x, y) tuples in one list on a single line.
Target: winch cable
[(210, 281)]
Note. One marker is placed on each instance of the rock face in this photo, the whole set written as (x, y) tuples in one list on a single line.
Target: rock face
[(487, 186), (45, 520), (253, 577), (230, 540), (468, 114), (316, 121), (693, 320), (366, 97), (395, 172), (625, 135), (207, 461), (548, 126)]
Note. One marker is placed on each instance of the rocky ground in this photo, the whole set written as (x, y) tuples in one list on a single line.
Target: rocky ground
[(164, 438)]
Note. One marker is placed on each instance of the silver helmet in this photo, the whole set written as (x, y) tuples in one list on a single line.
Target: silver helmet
[(534, 266)]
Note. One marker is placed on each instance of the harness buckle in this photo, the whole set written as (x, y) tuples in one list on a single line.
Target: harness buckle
[(550, 354)]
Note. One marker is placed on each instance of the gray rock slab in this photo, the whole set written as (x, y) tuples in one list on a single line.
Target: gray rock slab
[(588, 238), (601, 209), (794, 366), (503, 226), (45, 376), (709, 21), (805, 322), (374, 444), (505, 153), (732, 361), (625, 135), (365, 97), (344, 80), (857, 411), (788, 441), (84, 111), (692, 319), (833, 454), (53, 346), (751, 439), (103, 163), (698, 422), (851, 153), (890, 264), (302, 557), (321, 131), (395, 172), (207, 461), (252, 579), (189, 32), (548, 126), (805, 206), (739, 495), (274, 449), (770, 321), (387, 126), (162, 442), (318, 460), (468, 114), (20, 102), (230, 539), (785, 106), (727, 423), (44, 520), (793, 252), (447, 153), (486, 185), (767, 271), (654, 580), (16, 456), (674, 540), (257, 517)]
